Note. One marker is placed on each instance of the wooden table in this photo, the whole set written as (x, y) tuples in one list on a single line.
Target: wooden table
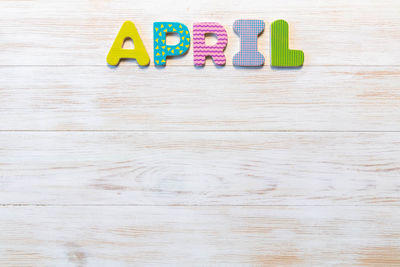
[(188, 166)]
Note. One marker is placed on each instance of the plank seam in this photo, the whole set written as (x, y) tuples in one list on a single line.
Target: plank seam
[(195, 131), (173, 205), (192, 66)]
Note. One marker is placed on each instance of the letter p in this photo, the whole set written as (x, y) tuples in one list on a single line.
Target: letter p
[(161, 49)]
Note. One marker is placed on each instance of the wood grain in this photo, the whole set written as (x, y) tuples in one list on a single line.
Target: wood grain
[(200, 168), (228, 99), (185, 166), (76, 32), (199, 236)]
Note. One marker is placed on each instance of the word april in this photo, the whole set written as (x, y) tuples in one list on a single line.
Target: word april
[(248, 56)]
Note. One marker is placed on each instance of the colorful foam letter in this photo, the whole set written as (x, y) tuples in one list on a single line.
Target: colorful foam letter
[(161, 49), (248, 31), (128, 30), (281, 55), (201, 50)]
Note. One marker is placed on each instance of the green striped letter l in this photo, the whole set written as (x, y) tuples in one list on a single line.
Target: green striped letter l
[(281, 55)]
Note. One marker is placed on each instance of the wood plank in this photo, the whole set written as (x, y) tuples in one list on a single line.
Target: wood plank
[(182, 99), (198, 236), (214, 168), (76, 32)]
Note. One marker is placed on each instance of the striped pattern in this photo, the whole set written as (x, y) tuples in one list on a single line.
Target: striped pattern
[(201, 50), (281, 55), (248, 30)]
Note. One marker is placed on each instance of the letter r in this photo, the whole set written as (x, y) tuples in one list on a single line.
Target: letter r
[(201, 50)]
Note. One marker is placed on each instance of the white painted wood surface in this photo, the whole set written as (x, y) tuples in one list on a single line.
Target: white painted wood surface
[(187, 166), (199, 236), (187, 99), (220, 168), (76, 32)]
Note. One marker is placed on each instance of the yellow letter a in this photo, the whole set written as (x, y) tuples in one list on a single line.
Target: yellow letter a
[(128, 30)]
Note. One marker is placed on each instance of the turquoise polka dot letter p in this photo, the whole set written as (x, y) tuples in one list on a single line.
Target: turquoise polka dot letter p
[(161, 49)]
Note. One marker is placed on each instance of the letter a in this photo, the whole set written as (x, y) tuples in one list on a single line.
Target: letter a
[(128, 30), (281, 55)]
